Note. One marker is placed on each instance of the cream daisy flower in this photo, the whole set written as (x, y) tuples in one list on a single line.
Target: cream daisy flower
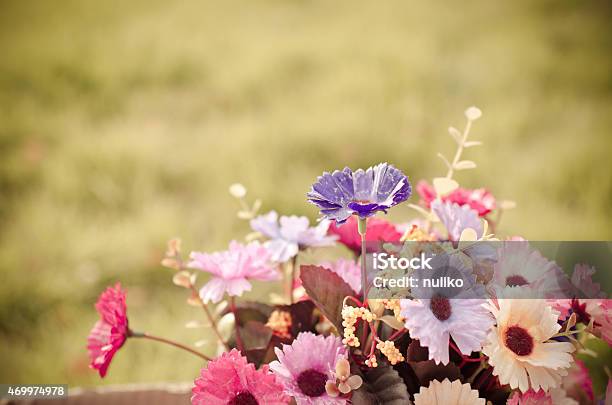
[(519, 346), (448, 393)]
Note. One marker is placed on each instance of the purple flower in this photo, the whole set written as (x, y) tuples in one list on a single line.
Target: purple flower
[(290, 234), (456, 218), (344, 193)]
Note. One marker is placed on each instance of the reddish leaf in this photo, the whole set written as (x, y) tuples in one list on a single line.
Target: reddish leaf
[(327, 290)]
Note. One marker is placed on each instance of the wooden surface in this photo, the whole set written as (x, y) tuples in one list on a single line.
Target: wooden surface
[(156, 394)]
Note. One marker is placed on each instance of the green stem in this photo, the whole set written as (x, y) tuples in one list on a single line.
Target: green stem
[(211, 319), (466, 132), (168, 342), (292, 277), (362, 228)]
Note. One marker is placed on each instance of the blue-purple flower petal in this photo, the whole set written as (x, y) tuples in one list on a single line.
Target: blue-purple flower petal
[(363, 193)]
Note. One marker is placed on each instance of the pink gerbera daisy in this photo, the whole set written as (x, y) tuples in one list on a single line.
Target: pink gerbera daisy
[(232, 269), (305, 366), (378, 230), (555, 396), (479, 199), (110, 332), (231, 380)]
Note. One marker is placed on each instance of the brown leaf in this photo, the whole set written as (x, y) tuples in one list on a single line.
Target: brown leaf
[(327, 290)]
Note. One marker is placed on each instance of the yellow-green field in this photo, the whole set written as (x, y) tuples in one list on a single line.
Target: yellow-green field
[(123, 123)]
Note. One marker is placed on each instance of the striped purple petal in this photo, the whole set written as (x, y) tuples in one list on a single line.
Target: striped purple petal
[(363, 193)]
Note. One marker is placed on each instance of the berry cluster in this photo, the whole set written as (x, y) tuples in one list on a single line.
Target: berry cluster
[(350, 315), (388, 349), (371, 362), (394, 305)]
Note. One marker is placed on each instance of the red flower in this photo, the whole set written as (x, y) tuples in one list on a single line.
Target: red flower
[(110, 332), (378, 230), (479, 199)]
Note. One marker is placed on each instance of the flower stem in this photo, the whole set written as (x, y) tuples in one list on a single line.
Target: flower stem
[(362, 228), (210, 318), (292, 277), (397, 334), (169, 342), (464, 137), (239, 343)]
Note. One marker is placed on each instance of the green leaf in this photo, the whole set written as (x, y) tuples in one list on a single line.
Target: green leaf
[(327, 290), (464, 165), (456, 134), (382, 385)]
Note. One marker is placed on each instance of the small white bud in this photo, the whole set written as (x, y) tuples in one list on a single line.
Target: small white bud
[(237, 190), (473, 113), (182, 279)]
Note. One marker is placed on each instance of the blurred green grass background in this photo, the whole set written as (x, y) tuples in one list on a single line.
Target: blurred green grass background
[(123, 123)]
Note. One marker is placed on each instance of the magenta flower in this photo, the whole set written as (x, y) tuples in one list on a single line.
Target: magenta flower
[(305, 366), (231, 380), (364, 192), (582, 281), (379, 230), (480, 199), (556, 396), (110, 332), (232, 269)]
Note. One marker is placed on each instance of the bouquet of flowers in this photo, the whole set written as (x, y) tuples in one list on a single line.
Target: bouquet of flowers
[(326, 339)]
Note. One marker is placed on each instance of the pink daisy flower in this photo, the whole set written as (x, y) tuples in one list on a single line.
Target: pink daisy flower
[(378, 230), (232, 269), (578, 383), (305, 366), (480, 200), (582, 281), (290, 234), (555, 396), (110, 332), (231, 380)]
